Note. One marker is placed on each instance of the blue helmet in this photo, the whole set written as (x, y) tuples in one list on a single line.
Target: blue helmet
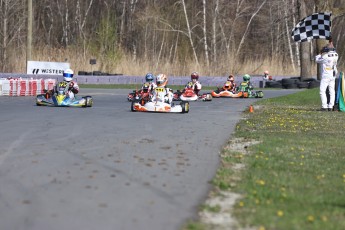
[(149, 77)]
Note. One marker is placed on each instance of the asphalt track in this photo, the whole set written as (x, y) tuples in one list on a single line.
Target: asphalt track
[(106, 167)]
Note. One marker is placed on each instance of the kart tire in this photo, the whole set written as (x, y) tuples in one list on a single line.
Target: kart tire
[(259, 94), (132, 106), (131, 96), (185, 106), (88, 101), (37, 96)]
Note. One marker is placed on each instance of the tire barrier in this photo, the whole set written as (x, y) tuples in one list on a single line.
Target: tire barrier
[(294, 83), (25, 87)]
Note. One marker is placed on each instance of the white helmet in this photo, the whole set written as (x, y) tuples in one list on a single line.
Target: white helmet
[(68, 75), (162, 80)]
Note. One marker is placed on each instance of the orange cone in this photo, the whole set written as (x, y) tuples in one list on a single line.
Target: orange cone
[(251, 109)]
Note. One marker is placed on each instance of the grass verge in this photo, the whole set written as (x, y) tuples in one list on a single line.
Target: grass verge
[(294, 177)]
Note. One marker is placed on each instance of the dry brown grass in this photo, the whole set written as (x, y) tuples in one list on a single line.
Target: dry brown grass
[(79, 61)]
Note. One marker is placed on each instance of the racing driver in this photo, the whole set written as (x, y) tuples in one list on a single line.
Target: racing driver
[(73, 87), (161, 92)]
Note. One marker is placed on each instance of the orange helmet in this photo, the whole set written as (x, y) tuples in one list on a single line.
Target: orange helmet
[(161, 80)]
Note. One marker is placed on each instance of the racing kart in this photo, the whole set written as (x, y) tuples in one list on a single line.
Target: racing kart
[(58, 97), (233, 94), (189, 95), (159, 106), (138, 95)]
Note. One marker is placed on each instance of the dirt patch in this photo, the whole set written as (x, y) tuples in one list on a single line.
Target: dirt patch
[(225, 200), (222, 219), (240, 145)]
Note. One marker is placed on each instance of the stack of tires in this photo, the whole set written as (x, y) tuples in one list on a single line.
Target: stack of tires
[(294, 83), (273, 84), (97, 73)]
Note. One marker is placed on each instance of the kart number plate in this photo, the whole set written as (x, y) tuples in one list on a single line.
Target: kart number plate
[(159, 90), (62, 84)]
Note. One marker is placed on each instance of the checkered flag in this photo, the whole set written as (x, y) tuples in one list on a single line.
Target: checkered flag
[(314, 26)]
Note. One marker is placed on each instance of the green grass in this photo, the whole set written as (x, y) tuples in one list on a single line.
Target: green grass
[(295, 177)]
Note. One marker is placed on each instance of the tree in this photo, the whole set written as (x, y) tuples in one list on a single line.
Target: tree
[(305, 55), (336, 10)]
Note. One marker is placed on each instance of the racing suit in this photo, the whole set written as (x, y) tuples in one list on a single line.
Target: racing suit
[(162, 94), (245, 86), (70, 88), (329, 71), (195, 85), (229, 86), (152, 86)]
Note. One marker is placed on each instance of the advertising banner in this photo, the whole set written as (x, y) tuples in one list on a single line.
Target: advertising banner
[(46, 68)]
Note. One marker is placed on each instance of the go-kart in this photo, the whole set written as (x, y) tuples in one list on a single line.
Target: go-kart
[(158, 103), (58, 97), (139, 95), (159, 106), (188, 94), (220, 92)]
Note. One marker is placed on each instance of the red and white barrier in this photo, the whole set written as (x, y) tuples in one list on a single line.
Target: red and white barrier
[(25, 87)]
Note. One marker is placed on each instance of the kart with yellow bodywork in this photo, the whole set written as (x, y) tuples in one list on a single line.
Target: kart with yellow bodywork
[(59, 97)]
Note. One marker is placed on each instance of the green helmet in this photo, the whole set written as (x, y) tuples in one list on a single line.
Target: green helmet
[(246, 77)]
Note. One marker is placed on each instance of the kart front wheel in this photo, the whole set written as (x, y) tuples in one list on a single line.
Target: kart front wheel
[(132, 106), (185, 107), (88, 101)]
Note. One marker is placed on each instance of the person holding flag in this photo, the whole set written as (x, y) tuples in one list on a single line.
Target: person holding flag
[(328, 59), (318, 26)]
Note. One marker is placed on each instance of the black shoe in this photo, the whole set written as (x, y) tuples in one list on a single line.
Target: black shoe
[(329, 109)]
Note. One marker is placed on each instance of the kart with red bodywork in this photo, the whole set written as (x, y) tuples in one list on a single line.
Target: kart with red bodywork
[(188, 94), (139, 95)]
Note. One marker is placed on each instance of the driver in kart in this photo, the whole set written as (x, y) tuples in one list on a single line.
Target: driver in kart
[(230, 84), (246, 85), (194, 83), (161, 92), (149, 80), (73, 87)]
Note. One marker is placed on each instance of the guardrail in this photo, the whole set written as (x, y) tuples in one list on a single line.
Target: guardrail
[(126, 79), (24, 86)]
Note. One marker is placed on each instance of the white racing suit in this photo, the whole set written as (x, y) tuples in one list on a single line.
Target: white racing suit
[(328, 74), (162, 94)]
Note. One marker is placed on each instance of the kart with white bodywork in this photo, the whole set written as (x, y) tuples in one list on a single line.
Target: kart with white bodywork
[(159, 103)]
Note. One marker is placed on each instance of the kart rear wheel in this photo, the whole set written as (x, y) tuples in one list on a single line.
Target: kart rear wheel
[(185, 106), (259, 94), (208, 97)]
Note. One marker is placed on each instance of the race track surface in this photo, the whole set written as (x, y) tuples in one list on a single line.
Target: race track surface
[(106, 167)]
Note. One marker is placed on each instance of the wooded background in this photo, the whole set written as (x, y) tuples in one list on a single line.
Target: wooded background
[(133, 37)]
